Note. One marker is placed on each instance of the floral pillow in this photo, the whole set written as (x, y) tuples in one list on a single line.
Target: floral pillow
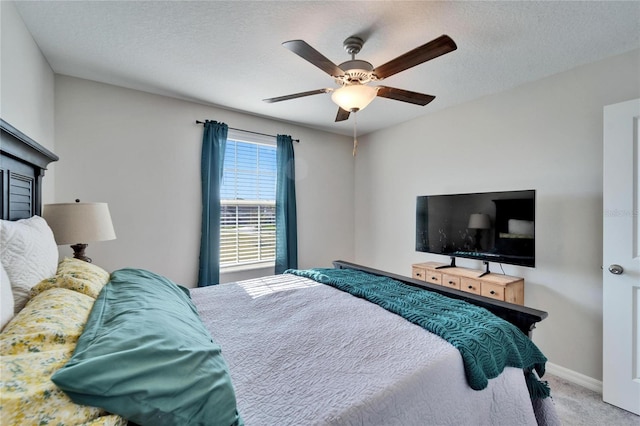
[(76, 275), (35, 344), (56, 318)]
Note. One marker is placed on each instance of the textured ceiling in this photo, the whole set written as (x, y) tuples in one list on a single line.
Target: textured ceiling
[(229, 53)]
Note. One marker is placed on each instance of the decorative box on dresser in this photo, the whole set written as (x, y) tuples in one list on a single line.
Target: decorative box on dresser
[(496, 286)]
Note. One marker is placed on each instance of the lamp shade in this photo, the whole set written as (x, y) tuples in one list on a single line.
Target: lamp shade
[(354, 97), (479, 221), (74, 223)]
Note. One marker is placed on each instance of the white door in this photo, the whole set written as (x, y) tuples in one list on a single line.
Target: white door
[(621, 256)]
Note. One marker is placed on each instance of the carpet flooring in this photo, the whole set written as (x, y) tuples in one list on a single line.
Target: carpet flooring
[(578, 406)]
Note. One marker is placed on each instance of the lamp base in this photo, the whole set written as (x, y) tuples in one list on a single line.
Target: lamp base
[(78, 252)]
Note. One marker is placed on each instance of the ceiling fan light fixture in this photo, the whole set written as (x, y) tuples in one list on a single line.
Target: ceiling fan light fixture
[(354, 97)]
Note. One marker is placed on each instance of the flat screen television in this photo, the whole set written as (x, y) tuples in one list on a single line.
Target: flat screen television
[(490, 226)]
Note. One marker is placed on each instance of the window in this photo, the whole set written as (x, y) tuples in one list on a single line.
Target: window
[(247, 198)]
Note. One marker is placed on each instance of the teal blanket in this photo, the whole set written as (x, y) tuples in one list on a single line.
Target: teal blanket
[(486, 342)]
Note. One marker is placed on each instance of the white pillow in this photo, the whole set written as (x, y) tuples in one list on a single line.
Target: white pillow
[(29, 254), (6, 298)]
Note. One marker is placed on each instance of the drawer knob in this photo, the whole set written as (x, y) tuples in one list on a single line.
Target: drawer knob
[(451, 283), (470, 286), (418, 274), (433, 278), (492, 292)]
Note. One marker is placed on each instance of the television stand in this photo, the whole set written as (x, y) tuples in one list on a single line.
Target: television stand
[(493, 285), (451, 265), (486, 271)]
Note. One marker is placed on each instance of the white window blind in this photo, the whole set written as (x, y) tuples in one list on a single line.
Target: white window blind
[(247, 194)]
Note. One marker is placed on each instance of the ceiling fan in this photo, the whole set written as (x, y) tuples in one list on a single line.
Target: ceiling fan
[(354, 75)]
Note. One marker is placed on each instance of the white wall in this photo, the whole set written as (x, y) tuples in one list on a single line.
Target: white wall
[(26, 86), (141, 154), (545, 135)]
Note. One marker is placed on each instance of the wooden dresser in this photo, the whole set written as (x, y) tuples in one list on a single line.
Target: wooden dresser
[(496, 286)]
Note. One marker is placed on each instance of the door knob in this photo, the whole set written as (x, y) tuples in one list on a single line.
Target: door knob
[(616, 269)]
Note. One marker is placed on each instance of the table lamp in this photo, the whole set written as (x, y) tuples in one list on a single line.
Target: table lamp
[(78, 224), (479, 221)]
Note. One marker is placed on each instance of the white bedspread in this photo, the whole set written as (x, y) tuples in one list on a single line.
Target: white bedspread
[(302, 353)]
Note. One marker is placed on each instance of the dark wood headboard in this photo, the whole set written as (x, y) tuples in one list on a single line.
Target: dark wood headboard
[(22, 165)]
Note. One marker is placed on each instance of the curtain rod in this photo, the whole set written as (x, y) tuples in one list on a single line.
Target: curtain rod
[(249, 131)]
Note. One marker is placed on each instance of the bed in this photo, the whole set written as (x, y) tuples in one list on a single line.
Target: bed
[(96, 348)]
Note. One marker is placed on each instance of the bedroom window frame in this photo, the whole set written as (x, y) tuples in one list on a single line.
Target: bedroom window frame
[(259, 224)]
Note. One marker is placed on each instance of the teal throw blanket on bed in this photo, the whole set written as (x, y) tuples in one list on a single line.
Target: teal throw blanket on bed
[(486, 342)]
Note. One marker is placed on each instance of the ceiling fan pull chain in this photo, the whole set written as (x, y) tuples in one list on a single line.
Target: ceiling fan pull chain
[(355, 139)]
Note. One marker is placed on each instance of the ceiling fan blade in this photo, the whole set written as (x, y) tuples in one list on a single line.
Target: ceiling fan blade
[(404, 95), (342, 115), (426, 52), (296, 95), (308, 53)]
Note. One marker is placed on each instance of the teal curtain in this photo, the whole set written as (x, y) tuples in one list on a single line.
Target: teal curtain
[(286, 222), (214, 141)]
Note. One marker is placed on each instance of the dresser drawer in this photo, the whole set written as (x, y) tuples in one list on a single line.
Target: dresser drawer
[(433, 277), (493, 291), (469, 285), (451, 281), (496, 286), (418, 273)]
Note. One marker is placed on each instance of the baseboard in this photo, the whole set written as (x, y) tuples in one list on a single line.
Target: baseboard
[(575, 377)]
